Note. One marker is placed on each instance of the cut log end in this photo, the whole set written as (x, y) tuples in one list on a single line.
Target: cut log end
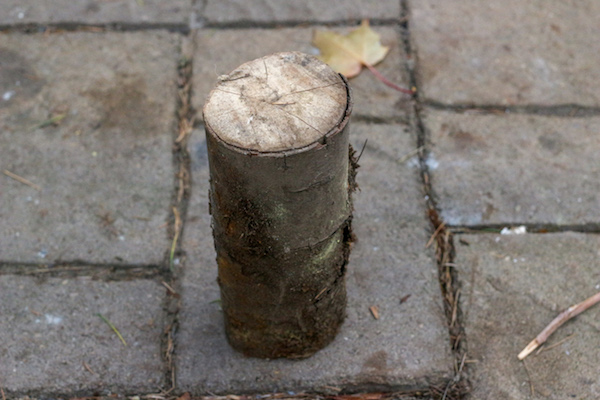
[(280, 102)]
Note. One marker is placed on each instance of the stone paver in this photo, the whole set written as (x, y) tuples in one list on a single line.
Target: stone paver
[(90, 117), (228, 11), (512, 287), (407, 346), (511, 52), (54, 341), (218, 52), (494, 169), (94, 11), (105, 171)]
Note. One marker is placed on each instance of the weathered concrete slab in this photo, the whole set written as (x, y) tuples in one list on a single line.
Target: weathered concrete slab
[(218, 52), (273, 11), (408, 345), (54, 341), (70, 12), (509, 53), (512, 287), (495, 169), (105, 171)]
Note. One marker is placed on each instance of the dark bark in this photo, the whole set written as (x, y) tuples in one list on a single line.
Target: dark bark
[(282, 232)]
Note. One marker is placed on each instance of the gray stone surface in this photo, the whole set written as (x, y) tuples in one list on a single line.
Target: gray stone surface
[(512, 287), (511, 52), (496, 169), (94, 11), (407, 346), (105, 171), (218, 52), (51, 334), (227, 11)]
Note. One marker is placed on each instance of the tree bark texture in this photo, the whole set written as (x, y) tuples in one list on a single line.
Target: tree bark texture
[(281, 177)]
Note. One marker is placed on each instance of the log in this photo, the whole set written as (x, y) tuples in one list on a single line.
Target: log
[(281, 177)]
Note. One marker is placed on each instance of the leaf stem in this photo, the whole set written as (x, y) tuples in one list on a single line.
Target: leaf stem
[(388, 82)]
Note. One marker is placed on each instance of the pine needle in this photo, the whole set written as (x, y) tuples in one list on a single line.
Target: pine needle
[(51, 121), (21, 179), (113, 328)]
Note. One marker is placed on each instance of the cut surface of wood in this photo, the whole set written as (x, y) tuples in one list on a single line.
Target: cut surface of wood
[(280, 102)]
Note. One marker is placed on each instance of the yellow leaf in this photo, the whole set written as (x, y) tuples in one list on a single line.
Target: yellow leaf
[(347, 54)]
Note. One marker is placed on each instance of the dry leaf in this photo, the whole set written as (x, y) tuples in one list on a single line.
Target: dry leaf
[(347, 54)]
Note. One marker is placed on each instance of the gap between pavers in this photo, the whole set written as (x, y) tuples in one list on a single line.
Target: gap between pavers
[(219, 52), (509, 169), (511, 288), (513, 52), (407, 347), (274, 11), (52, 339), (69, 12), (106, 170)]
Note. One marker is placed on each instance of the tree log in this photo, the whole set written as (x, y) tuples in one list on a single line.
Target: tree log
[(281, 177)]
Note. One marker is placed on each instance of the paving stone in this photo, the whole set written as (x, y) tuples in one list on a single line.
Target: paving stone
[(105, 171), (511, 52), (512, 287), (94, 11), (219, 52), (52, 335), (408, 345), (269, 11), (513, 169)]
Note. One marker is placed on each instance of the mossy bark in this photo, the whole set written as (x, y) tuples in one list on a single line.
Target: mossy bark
[(282, 232)]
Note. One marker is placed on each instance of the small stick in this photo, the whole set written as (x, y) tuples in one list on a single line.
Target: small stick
[(3, 395), (563, 317), (437, 231), (169, 288), (531, 388), (361, 150), (410, 154), (87, 367), (555, 344), (22, 180), (177, 228), (113, 328)]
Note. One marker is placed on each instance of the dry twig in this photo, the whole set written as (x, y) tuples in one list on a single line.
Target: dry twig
[(542, 348), (437, 231), (557, 322), (410, 154), (87, 367), (21, 179), (177, 228), (172, 291)]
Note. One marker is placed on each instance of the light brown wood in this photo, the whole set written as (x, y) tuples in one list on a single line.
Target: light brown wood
[(280, 102)]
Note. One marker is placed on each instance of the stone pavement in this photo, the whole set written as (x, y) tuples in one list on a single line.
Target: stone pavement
[(110, 231)]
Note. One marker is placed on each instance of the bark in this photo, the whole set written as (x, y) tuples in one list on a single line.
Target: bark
[(282, 173)]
